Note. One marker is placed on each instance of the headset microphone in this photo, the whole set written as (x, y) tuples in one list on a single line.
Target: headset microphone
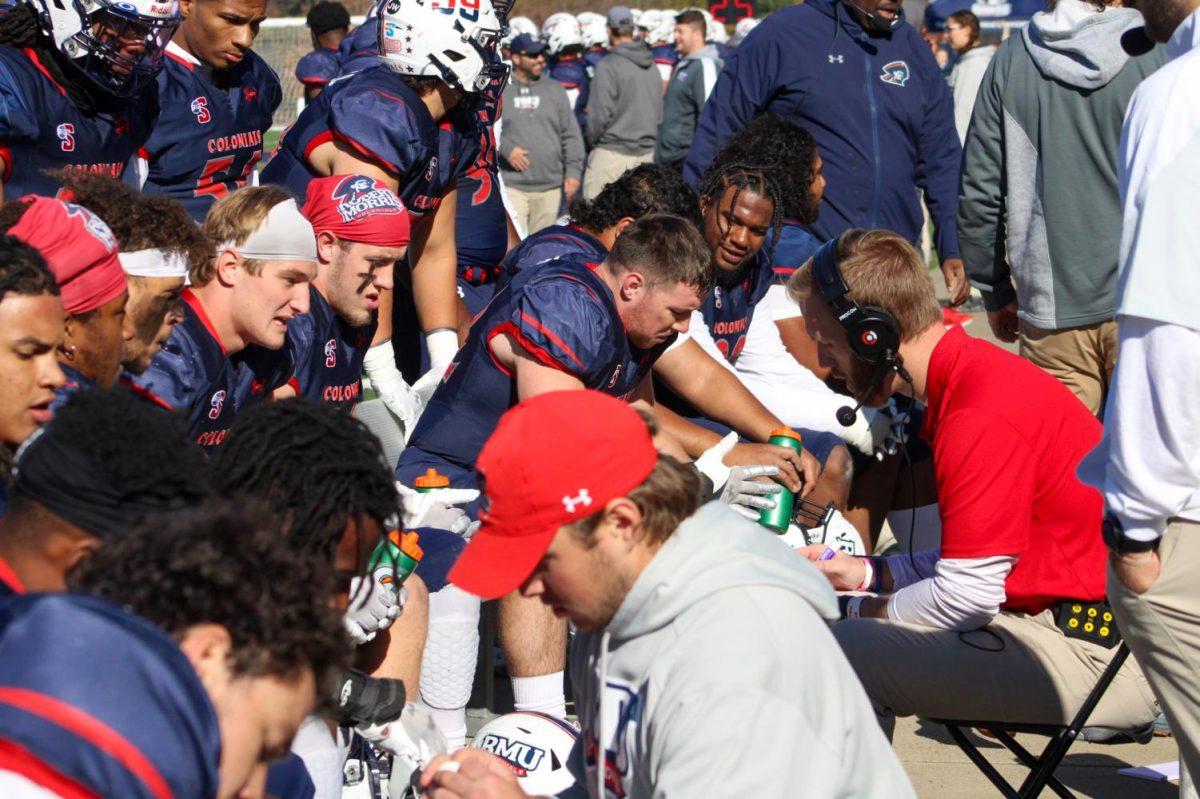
[(847, 415)]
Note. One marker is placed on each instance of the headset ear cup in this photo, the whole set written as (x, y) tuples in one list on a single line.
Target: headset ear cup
[(873, 335)]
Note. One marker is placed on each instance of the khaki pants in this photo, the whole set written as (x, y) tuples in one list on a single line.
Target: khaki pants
[(1082, 358), (1018, 668), (1162, 627), (605, 166), (535, 209)]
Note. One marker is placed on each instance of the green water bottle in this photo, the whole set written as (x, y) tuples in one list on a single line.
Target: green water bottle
[(395, 558), (431, 481), (776, 519)]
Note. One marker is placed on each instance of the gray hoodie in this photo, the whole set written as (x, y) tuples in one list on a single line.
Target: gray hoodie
[(718, 677), (1038, 202), (625, 101)]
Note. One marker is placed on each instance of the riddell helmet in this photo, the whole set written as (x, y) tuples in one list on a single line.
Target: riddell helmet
[(442, 39), (560, 31), (594, 28), (535, 746), (743, 28), (98, 35), (519, 25)]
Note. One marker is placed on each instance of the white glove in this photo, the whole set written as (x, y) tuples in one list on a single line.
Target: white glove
[(442, 345), (399, 398), (412, 740), (436, 508), (373, 607)]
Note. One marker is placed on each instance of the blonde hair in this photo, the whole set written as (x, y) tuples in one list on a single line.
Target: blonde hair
[(234, 218), (882, 269)]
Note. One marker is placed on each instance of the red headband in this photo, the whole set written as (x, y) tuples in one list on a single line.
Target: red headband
[(357, 208), (79, 249)]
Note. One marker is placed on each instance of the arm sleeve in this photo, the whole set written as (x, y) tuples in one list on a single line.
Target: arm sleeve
[(981, 230), (986, 504), (572, 140), (1152, 426), (562, 326), (742, 91), (963, 594), (380, 129), (939, 157), (602, 99)]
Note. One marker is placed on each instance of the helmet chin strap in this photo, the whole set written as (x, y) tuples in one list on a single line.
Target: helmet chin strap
[(873, 23)]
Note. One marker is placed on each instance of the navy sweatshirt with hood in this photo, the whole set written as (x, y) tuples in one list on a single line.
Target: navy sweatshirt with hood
[(878, 106)]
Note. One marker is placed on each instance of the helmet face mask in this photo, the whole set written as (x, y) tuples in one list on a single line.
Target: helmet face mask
[(117, 45), (442, 39)]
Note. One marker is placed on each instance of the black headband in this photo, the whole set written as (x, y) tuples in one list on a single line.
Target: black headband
[(69, 485)]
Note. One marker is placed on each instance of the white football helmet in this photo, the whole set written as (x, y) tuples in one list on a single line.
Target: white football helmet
[(536, 746), (594, 28), (658, 27), (742, 29), (519, 25), (560, 31), (97, 36), (442, 39)]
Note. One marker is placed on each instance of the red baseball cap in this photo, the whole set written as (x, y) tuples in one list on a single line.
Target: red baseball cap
[(552, 460)]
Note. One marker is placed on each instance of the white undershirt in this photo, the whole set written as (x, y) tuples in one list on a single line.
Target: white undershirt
[(961, 593)]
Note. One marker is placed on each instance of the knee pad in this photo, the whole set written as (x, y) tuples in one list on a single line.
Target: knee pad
[(451, 648)]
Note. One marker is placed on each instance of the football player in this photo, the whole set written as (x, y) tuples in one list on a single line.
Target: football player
[(412, 122), (157, 243), (82, 253), (565, 39), (218, 97), (595, 39), (78, 86), (329, 24), (362, 231), (237, 308)]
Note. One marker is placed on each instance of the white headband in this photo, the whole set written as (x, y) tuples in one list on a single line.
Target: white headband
[(285, 235), (154, 263)]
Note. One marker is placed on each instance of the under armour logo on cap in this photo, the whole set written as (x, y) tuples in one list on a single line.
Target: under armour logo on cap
[(582, 498)]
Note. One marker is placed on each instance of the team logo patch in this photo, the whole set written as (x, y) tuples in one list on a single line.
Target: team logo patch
[(583, 498), (521, 757), (200, 109), (216, 404), (94, 225), (331, 353), (429, 173), (895, 73), (249, 93), (359, 197), (623, 704), (837, 59), (66, 136)]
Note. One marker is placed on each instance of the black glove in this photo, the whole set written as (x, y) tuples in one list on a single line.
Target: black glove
[(359, 699)]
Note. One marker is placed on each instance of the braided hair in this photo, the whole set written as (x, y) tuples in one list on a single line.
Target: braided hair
[(742, 176), (782, 149), (315, 467)]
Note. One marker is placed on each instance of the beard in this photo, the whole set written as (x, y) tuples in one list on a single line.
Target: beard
[(728, 280)]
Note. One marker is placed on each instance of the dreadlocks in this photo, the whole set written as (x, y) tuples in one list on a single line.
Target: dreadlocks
[(742, 176), (315, 467)]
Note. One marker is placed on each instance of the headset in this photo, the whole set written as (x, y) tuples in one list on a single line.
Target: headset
[(873, 333)]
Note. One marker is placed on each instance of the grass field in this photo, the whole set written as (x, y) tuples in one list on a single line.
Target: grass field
[(270, 139)]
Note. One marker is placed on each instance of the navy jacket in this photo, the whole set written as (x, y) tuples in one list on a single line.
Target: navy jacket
[(878, 107)]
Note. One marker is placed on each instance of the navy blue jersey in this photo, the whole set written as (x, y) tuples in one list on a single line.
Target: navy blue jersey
[(556, 241), (481, 224), (319, 67), (192, 374), (385, 121), (665, 54), (572, 73), (593, 57), (327, 353), (209, 134), (360, 49), (796, 245), (75, 382), (566, 318), (41, 129), (95, 701), (728, 312)]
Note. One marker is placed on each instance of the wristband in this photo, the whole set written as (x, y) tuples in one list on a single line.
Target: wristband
[(442, 345), (868, 583)]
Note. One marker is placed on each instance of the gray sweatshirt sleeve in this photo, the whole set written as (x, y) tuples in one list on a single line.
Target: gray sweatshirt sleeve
[(981, 230), (572, 140), (602, 102)]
